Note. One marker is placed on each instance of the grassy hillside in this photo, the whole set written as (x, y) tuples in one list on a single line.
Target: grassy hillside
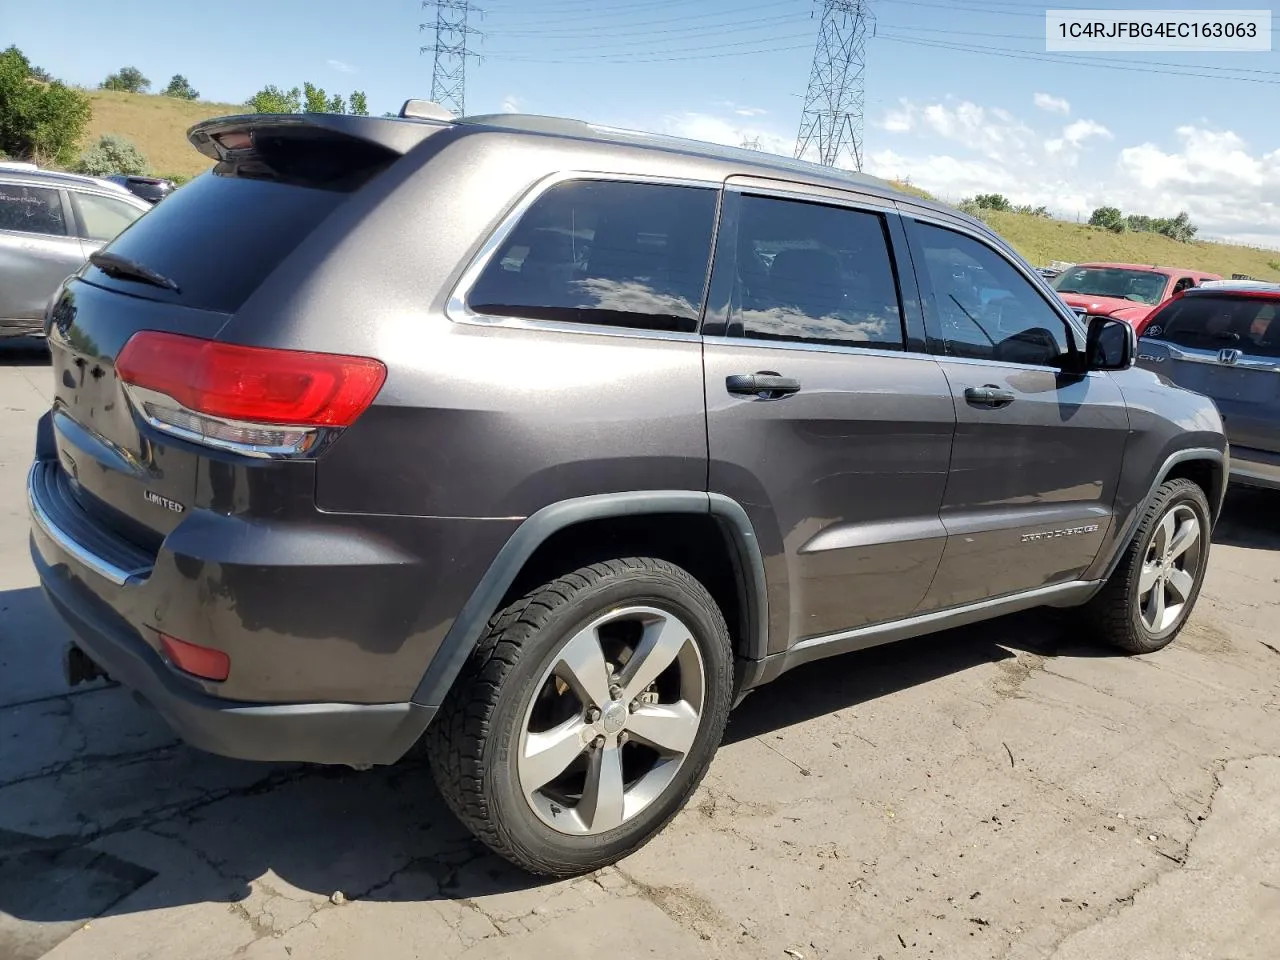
[(158, 125), (1041, 240)]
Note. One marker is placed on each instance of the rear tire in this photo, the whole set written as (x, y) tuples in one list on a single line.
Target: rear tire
[(1147, 600), (586, 716)]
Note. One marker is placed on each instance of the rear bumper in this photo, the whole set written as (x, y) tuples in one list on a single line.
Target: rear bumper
[(104, 591), (1255, 468), (336, 733)]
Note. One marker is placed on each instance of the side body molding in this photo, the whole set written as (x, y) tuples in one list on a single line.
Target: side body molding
[(483, 602)]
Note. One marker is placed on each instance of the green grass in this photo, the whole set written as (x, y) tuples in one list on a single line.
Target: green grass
[(158, 125)]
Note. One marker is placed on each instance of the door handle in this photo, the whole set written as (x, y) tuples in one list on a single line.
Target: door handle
[(766, 385), (989, 396)]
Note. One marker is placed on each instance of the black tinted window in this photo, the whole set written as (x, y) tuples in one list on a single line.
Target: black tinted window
[(1247, 324), (32, 210), (219, 237), (812, 273), (604, 252), (981, 306)]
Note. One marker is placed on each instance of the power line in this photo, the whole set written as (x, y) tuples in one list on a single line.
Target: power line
[(730, 26), (449, 69), (1072, 60), (831, 123), (512, 57), (612, 15), (579, 55)]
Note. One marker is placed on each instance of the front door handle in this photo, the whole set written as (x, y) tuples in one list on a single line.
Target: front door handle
[(989, 396), (766, 385)]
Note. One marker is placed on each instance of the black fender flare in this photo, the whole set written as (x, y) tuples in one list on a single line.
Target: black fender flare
[(467, 627), (1215, 497)]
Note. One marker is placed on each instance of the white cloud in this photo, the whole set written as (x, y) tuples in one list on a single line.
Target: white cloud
[(1052, 104), (901, 119), (741, 110), (1081, 130), (714, 129), (512, 104), (341, 66)]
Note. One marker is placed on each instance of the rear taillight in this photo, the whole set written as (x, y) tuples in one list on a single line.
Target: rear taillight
[(253, 400)]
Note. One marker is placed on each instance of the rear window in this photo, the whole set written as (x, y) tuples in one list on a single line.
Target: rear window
[(1247, 324), (219, 237)]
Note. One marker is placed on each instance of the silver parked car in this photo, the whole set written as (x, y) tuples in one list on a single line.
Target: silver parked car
[(49, 224)]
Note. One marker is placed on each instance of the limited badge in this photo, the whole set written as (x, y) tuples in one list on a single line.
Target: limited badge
[(152, 497)]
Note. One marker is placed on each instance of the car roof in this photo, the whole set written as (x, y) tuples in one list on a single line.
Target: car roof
[(747, 161), (1255, 288), (1143, 267), (48, 177)]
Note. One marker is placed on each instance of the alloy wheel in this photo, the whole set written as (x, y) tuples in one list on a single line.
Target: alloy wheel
[(1170, 569), (611, 721)]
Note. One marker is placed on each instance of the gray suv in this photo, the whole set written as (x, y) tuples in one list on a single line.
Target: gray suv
[(547, 443), (49, 223)]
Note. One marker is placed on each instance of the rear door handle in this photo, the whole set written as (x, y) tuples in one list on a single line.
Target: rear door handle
[(989, 396), (766, 385)]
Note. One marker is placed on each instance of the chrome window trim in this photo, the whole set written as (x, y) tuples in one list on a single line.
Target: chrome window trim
[(805, 193), (1194, 355), (456, 308), (99, 565), (816, 346), (1047, 293)]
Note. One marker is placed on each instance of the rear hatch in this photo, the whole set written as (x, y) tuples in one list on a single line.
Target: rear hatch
[(1226, 346), (185, 269)]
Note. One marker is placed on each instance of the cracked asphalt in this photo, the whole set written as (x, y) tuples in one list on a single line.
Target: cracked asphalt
[(1003, 791)]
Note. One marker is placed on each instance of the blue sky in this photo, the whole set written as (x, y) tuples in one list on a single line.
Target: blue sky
[(953, 120)]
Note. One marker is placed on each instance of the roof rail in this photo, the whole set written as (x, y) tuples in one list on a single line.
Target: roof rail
[(424, 110)]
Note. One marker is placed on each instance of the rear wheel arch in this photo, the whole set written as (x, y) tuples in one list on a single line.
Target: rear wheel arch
[(707, 534)]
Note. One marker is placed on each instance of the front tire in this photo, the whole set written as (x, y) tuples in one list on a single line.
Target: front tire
[(586, 716), (1147, 600)]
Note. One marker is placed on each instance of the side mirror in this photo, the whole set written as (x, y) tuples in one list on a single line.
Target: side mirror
[(1110, 344)]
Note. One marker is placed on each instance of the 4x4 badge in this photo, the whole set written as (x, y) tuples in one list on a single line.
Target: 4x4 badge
[(1229, 355), (152, 497)]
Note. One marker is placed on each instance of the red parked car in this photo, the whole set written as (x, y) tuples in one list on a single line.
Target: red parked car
[(1125, 291)]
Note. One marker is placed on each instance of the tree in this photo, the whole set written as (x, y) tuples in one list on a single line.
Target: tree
[(112, 154), (40, 121), (1180, 228), (309, 99), (271, 99), (128, 79), (314, 99), (179, 87), (41, 74), (993, 201), (1108, 218)]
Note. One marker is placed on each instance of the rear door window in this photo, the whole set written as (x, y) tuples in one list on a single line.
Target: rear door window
[(29, 209), (103, 218), (604, 252), (1247, 324)]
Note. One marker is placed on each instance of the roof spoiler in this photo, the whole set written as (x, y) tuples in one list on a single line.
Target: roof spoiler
[(231, 138)]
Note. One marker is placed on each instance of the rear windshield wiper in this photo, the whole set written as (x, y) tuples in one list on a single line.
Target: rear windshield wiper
[(114, 265)]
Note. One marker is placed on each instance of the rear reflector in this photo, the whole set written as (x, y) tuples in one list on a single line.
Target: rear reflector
[(253, 399), (203, 662)]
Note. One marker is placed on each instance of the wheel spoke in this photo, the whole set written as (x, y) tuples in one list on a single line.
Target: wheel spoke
[(1182, 584), (1164, 533), (670, 727), (548, 754), (1187, 536), (602, 796), (1154, 610), (661, 644), (1147, 579), (582, 667)]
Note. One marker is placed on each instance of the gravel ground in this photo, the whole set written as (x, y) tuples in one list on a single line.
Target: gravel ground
[(1006, 790)]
